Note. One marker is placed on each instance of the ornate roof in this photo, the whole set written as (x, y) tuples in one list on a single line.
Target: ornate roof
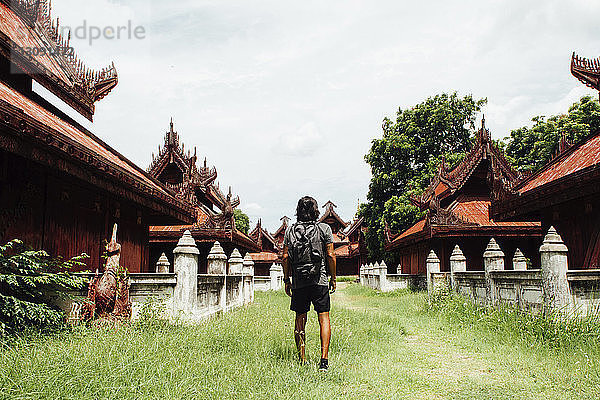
[(177, 169), (25, 120), (332, 215), (451, 211), (446, 183), (259, 235), (33, 42), (586, 70)]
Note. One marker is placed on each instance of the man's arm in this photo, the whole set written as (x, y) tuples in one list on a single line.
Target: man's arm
[(331, 263), (286, 270)]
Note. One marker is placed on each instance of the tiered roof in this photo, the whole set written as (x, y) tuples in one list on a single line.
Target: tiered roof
[(332, 218), (453, 210), (35, 130), (586, 70), (33, 42), (176, 168), (266, 242), (279, 234)]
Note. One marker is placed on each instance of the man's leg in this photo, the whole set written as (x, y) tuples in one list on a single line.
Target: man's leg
[(300, 335), (325, 334)]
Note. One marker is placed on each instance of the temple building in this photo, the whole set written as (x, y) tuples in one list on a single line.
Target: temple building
[(269, 250), (457, 205), (62, 187), (177, 169), (565, 193)]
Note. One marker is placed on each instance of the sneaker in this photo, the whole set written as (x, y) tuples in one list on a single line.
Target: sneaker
[(323, 365)]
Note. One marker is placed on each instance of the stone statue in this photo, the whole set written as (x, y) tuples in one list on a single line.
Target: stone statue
[(108, 294)]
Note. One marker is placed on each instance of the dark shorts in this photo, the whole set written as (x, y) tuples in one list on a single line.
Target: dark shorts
[(317, 295)]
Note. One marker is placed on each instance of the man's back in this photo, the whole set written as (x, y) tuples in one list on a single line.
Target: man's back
[(290, 240)]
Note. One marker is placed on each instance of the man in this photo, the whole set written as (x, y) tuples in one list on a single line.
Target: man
[(307, 257)]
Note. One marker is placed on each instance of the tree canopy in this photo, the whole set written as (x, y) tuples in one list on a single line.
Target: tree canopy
[(531, 148), (242, 222), (406, 157)]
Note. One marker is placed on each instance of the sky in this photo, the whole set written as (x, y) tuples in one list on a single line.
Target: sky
[(284, 98)]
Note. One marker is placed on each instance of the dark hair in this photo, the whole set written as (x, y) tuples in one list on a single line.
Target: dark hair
[(307, 210)]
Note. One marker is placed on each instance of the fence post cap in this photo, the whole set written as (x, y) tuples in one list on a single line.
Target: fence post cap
[(457, 254), (432, 257), (217, 252), (553, 243), (186, 244), (493, 250)]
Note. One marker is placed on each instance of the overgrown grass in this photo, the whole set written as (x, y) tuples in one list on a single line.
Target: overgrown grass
[(349, 278), (549, 330), (383, 346)]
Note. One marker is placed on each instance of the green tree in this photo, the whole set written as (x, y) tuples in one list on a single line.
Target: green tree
[(30, 281), (242, 222), (531, 148), (405, 159)]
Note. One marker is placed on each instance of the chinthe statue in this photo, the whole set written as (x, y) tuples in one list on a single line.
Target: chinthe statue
[(108, 294)]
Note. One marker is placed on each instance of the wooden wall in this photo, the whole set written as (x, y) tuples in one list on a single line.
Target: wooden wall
[(578, 223), (66, 217)]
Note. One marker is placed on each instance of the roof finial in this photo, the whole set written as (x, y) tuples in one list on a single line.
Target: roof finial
[(171, 124)]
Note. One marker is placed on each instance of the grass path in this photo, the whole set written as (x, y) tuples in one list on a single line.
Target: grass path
[(384, 346)]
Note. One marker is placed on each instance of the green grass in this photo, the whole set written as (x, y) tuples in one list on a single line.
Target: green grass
[(348, 278), (383, 346)]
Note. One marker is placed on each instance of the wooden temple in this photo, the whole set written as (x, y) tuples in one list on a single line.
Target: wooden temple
[(565, 193), (269, 249), (62, 188), (177, 169), (457, 205)]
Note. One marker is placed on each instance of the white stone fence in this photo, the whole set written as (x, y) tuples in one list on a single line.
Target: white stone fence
[(186, 295), (272, 282), (376, 277), (552, 287)]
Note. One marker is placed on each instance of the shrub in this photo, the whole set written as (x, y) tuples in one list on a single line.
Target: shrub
[(30, 283)]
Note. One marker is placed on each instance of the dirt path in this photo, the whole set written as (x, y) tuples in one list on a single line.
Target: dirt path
[(437, 356)]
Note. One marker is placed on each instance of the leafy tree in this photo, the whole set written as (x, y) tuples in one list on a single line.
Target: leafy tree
[(30, 281), (531, 148), (405, 159), (242, 222)]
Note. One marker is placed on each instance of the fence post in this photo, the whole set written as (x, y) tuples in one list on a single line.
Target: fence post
[(162, 265), (235, 263), (248, 270), (217, 265), (493, 260), (553, 254), (458, 263), (186, 267), (382, 276), (519, 261), (275, 272), (360, 274), (433, 266)]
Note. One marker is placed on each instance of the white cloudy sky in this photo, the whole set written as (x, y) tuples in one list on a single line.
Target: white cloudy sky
[(285, 97)]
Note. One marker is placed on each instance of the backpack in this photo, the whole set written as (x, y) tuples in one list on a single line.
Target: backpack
[(306, 251)]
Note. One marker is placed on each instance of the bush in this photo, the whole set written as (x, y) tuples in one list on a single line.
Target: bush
[(30, 283)]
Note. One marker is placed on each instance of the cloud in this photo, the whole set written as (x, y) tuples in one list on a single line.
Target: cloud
[(284, 98), (306, 141)]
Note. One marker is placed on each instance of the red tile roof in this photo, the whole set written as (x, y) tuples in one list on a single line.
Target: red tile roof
[(573, 160), (44, 116), (476, 210)]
